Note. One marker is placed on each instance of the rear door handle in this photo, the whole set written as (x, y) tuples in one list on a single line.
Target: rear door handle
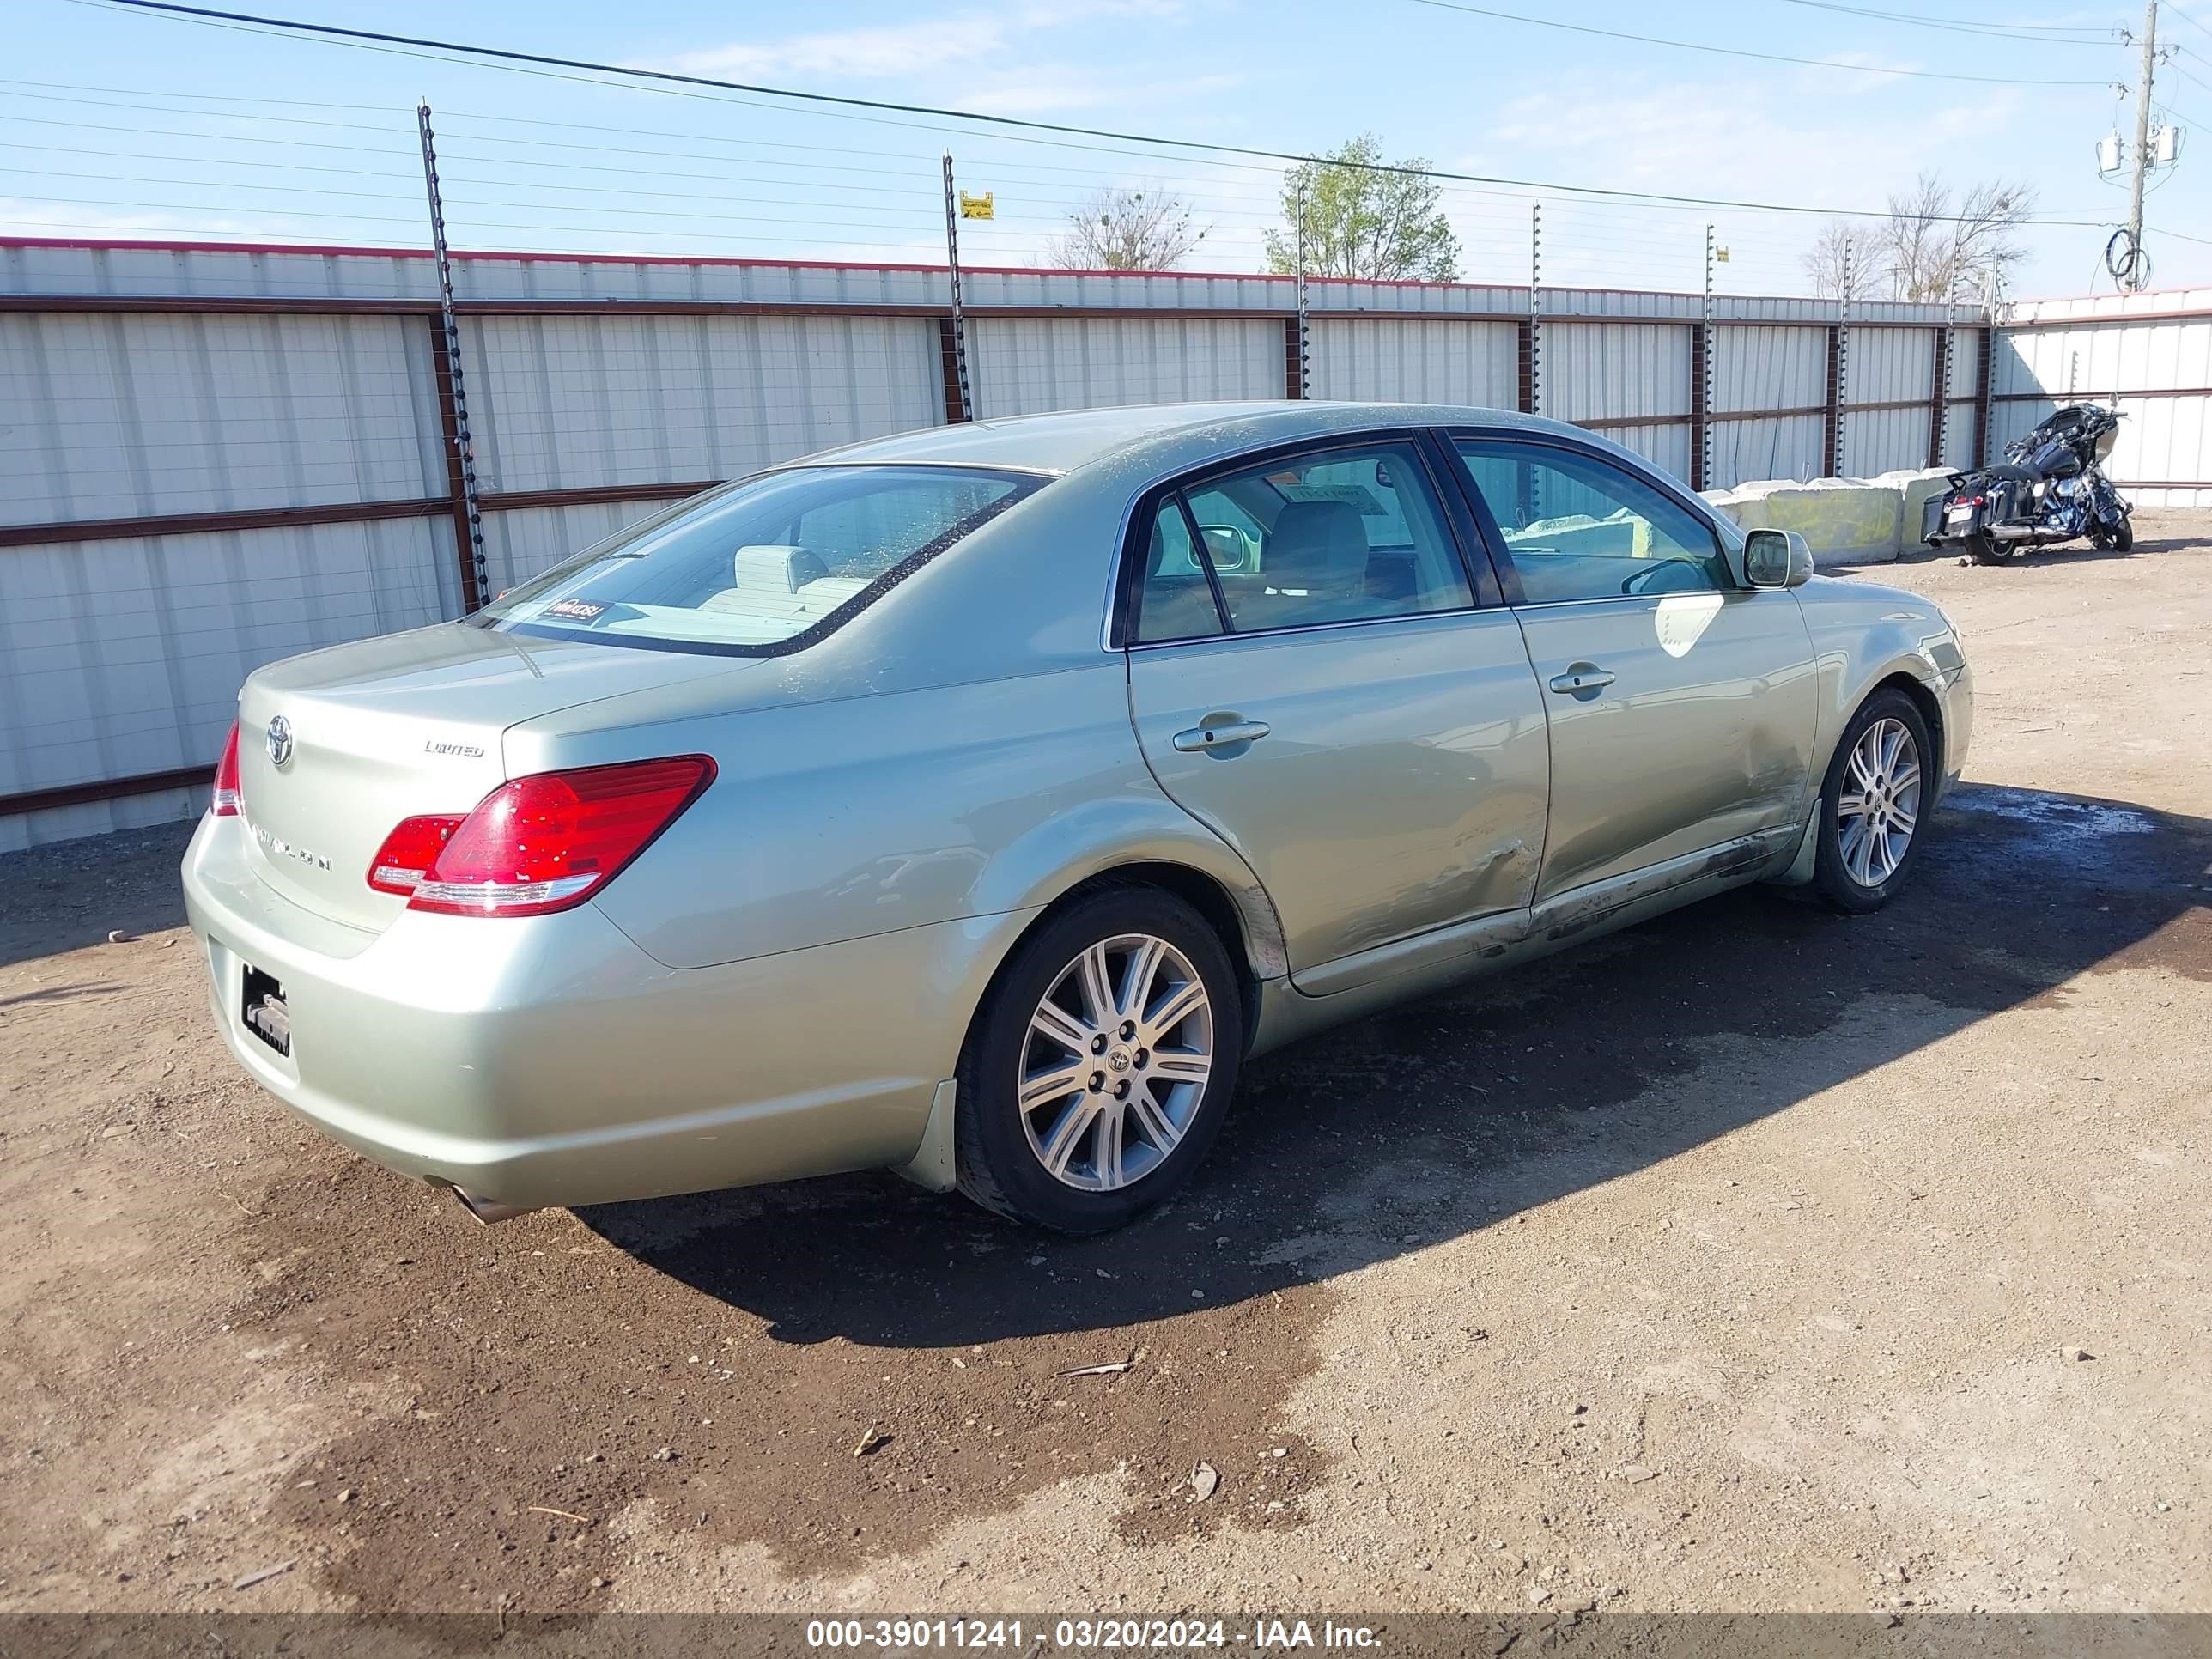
[(1583, 677), (1223, 734)]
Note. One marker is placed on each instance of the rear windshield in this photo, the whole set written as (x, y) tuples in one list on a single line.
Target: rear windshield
[(763, 566)]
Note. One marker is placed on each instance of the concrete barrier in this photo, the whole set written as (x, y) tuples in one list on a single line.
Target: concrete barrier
[(1845, 520)]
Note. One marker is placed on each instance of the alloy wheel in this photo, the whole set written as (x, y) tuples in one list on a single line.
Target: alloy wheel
[(1115, 1062), (1879, 807)]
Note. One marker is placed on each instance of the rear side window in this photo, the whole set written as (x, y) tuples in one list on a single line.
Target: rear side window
[(1346, 535), (763, 567)]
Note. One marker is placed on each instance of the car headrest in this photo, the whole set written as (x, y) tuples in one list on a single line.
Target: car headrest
[(1317, 545), (777, 568)]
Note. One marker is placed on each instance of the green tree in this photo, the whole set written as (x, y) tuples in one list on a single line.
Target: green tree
[(1365, 219)]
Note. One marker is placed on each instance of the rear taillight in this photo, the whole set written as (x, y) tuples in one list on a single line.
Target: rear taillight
[(226, 802), (408, 853), (538, 844)]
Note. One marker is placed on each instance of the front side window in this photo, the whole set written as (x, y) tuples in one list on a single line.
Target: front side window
[(1347, 535), (1577, 528), (763, 567)]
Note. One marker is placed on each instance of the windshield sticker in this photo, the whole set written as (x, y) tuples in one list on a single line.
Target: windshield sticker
[(577, 610)]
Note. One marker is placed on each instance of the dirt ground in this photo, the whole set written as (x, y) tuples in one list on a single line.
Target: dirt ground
[(1755, 1259)]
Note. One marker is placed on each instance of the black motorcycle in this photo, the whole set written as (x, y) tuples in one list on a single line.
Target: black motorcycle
[(2053, 488)]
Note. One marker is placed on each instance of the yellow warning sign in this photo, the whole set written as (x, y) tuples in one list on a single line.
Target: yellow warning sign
[(975, 207)]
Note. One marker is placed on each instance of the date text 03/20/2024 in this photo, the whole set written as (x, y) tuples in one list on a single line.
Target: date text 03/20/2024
[(1084, 1634)]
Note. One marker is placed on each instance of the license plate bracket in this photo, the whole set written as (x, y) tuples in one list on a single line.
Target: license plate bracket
[(262, 1010)]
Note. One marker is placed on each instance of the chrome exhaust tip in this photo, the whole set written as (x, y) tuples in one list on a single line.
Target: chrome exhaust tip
[(488, 1210)]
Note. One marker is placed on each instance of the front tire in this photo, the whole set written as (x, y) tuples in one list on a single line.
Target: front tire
[(1101, 1065), (2124, 537), (1873, 804)]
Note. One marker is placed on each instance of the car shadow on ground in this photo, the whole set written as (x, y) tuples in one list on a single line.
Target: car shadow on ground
[(1455, 1113)]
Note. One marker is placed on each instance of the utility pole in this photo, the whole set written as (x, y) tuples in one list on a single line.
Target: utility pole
[(2137, 274)]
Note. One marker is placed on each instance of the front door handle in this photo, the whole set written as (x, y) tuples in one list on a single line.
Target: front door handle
[(1220, 734), (1581, 678)]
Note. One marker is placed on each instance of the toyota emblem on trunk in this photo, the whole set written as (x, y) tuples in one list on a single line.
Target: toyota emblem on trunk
[(280, 740)]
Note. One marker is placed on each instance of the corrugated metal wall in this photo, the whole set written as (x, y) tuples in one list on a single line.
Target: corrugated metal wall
[(1027, 365), (568, 402), (1766, 367), (124, 657), (2157, 371), (128, 414), (123, 653), (1888, 366), (1418, 360)]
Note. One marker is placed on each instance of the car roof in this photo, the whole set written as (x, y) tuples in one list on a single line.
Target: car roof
[(1066, 440)]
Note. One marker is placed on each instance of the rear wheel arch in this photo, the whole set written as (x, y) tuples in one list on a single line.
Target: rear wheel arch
[(1253, 942)]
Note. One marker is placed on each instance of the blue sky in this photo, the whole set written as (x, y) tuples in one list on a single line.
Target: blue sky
[(135, 125)]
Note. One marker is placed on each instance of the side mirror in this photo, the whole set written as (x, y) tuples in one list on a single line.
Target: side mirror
[(1777, 558)]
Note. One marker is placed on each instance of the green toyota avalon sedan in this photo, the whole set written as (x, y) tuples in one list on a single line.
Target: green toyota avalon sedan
[(972, 802)]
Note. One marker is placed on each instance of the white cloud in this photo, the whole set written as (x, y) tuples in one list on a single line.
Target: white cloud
[(904, 49)]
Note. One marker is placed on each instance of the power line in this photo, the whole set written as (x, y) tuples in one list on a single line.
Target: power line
[(2168, 6), (2078, 34), (506, 57), (1698, 45)]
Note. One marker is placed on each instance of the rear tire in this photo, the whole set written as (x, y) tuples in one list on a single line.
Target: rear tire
[(1985, 549), (1101, 1065), (1874, 804)]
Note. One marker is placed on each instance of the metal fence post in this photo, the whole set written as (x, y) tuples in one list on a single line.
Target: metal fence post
[(1843, 361), (1305, 324), (1701, 384), (1939, 412), (1535, 307), (957, 381), (453, 395)]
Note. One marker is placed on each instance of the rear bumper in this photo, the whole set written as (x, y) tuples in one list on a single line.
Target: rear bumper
[(548, 1060)]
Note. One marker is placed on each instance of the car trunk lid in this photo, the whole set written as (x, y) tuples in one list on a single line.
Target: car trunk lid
[(335, 747)]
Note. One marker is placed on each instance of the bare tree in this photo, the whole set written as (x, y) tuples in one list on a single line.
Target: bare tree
[(1845, 262), (1935, 245), (1940, 246), (1116, 230)]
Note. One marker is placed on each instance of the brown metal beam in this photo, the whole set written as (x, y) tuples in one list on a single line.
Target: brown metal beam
[(288, 518), (196, 523), (311, 305), (449, 431), (948, 356), (517, 501), (1604, 424), (2088, 397), (1937, 396), (1700, 345), (81, 794), (1832, 433), (1982, 373)]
